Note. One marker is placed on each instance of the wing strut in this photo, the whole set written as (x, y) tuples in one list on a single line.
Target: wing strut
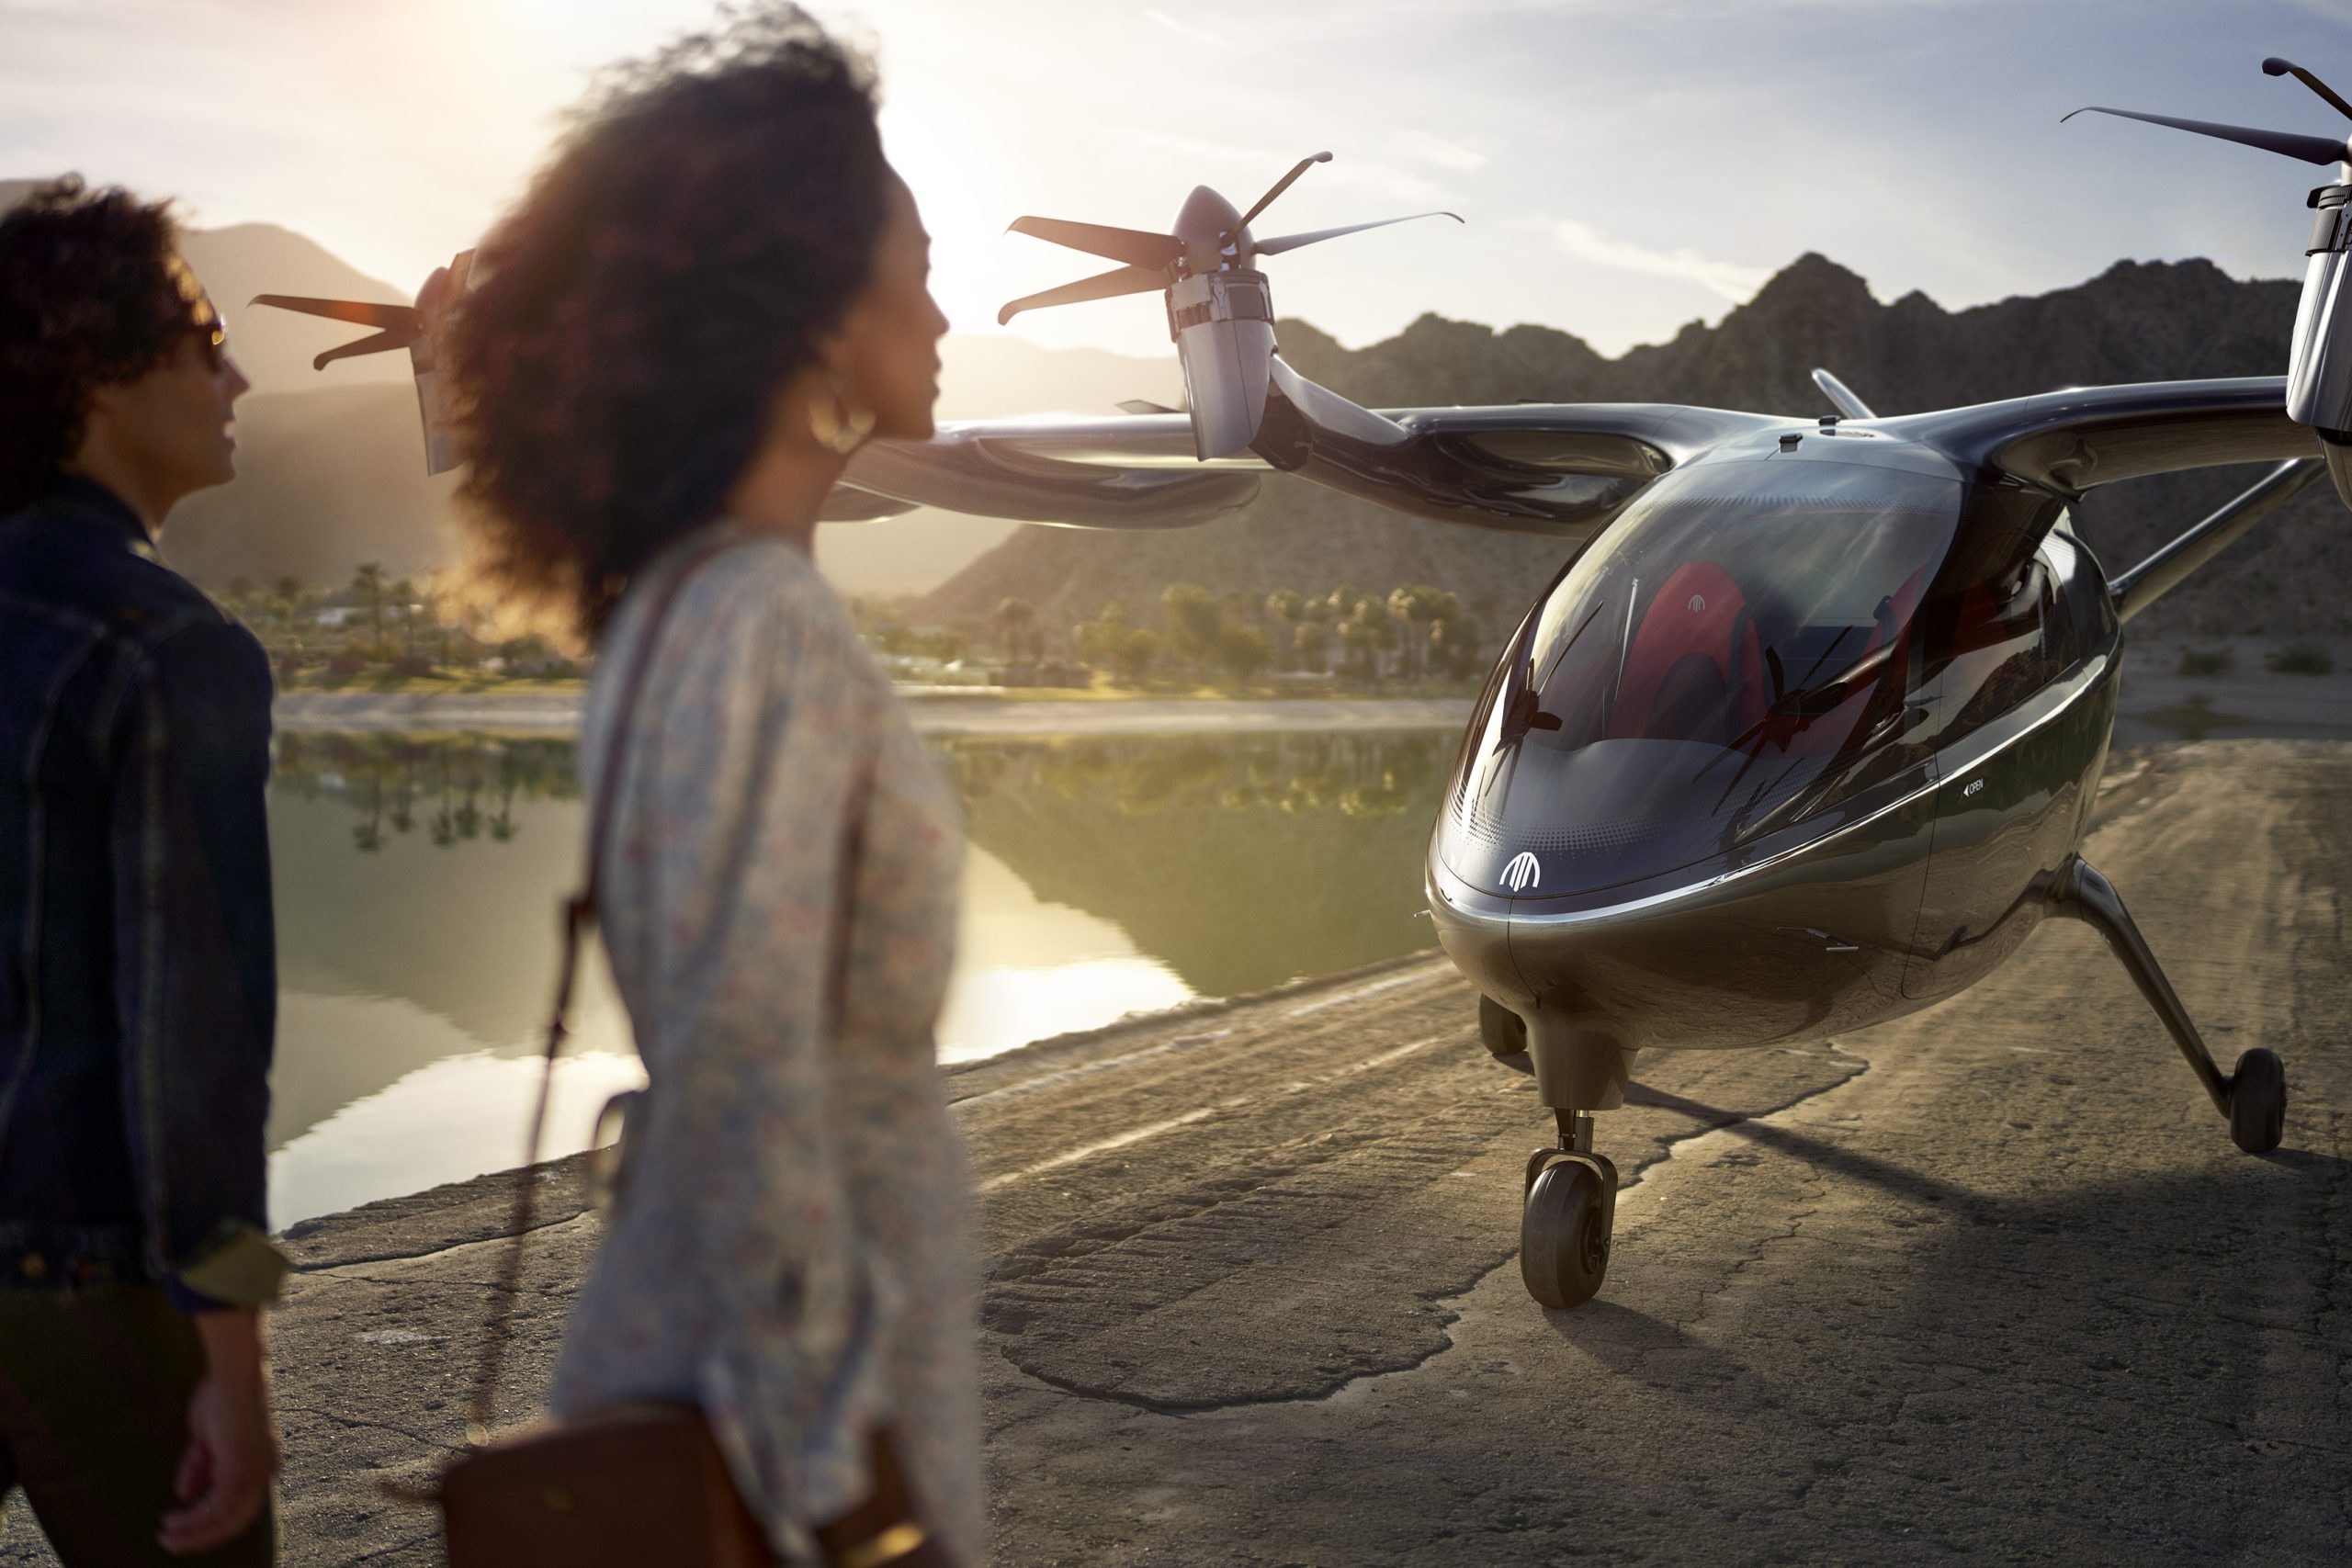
[(2141, 586)]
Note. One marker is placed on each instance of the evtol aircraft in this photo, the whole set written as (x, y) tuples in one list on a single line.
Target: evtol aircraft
[(1805, 732)]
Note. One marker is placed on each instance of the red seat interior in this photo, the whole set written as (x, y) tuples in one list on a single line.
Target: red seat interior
[(1694, 671)]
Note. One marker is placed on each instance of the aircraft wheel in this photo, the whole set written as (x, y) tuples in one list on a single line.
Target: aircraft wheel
[(2258, 1101), (1564, 1234), (1503, 1031)]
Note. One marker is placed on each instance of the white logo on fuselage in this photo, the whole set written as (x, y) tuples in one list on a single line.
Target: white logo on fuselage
[(1522, 871)]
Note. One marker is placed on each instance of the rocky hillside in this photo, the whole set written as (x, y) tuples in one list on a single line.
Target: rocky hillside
[(331, 464), (2138, 321)]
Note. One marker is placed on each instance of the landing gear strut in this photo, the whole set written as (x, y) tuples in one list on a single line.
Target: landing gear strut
[(2253, 1098), (1571, 1206)]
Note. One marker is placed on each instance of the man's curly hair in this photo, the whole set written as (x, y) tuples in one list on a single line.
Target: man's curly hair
[(712, 212), (88, 297)]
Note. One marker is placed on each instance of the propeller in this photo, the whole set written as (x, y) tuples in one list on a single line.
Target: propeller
[(1132, 246), (2310, 149), (2274, 66), (1281, 186), (2319, 361), (403, 326), (1209, 236), (399, 326), (1282, 242), (1102, 285), (1220, 309)]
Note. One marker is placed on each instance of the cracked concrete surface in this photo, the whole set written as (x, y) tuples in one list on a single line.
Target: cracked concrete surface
[(2007, 1296), (1989, 1283)]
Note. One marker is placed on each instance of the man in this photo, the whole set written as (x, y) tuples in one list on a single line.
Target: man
[(137, 985)]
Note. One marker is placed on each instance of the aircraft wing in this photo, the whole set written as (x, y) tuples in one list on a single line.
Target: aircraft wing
[(2078, 439), (1560, 469), (1129, 471)]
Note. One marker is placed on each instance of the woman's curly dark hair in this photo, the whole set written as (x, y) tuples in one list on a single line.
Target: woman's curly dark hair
[(713, 209), (89, 295)]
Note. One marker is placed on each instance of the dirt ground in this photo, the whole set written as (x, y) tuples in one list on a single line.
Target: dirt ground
[(1986, 1284)]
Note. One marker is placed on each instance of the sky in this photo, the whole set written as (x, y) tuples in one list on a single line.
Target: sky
[(1624, 166)]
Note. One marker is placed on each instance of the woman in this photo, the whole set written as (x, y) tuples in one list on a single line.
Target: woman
[(714, 291)]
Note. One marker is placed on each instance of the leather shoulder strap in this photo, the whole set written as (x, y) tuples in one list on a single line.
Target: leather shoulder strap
[(578, 919)]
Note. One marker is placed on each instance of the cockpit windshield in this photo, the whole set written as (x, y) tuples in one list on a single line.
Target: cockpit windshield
[(1734, 654)]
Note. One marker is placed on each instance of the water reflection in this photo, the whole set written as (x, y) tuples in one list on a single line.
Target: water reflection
[(418, 879), (1238, 864)]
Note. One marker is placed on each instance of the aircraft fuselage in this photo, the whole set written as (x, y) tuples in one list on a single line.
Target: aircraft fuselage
[(1820, 771)]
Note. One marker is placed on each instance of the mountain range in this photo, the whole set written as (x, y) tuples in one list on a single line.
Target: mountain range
[(331, 464), (2137, 321), (332, 471)]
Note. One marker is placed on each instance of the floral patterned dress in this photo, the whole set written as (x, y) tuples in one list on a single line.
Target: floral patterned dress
[(791, 1245)]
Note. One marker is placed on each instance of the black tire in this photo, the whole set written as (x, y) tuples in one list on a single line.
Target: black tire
[(2258, 1101), (1564, 1235), (1503, 1031)]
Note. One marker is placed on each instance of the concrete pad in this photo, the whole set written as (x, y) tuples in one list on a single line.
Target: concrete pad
[(1989, 1283)]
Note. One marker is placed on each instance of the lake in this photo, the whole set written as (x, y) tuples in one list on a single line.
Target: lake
[(418, 879)]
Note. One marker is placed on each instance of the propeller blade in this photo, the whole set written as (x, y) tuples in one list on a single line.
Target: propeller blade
[(1132, 246), (357, 313), (2274, 66), (1281, 186), (1282, 242), (2310, 149), (1102, 285), (407, 336)]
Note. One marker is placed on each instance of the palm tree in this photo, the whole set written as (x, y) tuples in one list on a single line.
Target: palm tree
[(1016, 628), (1284, 605), (1313, 639), (1417, 606), (404, 596), (1242, 651), (1133, 653), (1363, 634), (1193, 619), (367, 582)]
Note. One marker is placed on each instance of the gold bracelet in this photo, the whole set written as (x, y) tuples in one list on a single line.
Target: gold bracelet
[(888, 1547)]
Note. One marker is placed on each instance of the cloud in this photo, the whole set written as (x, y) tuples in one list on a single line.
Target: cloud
[(1726, 280), (1201, 150), (2325, 10), (1187, 31), (1437, 150)]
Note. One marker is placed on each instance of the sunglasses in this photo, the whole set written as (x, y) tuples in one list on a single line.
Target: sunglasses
[(204, 322), (211, 334)]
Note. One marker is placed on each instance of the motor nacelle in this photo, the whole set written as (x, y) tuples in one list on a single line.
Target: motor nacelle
[(1223, 324), (2319, 373)]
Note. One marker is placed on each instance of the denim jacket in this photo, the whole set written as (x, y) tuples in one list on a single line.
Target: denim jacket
[(137, 965)]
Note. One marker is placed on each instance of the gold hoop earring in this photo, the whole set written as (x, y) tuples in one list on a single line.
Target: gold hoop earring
[(839, 425)]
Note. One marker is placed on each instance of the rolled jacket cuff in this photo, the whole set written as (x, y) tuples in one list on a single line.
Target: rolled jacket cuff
[(238, 1267)]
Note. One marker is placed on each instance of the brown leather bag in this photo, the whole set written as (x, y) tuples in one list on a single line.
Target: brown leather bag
[(638, 1484), (643, 1484)]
